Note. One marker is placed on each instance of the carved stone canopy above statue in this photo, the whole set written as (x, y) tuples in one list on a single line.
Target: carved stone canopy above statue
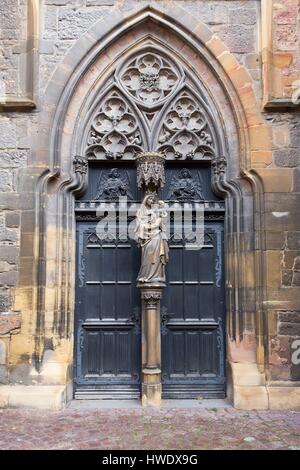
[(151, 104), (150, 171)]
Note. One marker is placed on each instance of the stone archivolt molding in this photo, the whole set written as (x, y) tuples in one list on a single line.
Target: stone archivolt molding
[(60, 148), (152, 106)]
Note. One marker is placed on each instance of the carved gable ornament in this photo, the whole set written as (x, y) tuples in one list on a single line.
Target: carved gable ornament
[(152, 105)]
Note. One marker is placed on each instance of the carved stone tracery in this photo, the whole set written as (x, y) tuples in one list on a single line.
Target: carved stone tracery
[(149, 78), (185, 131), (153, 106), (114, 130)]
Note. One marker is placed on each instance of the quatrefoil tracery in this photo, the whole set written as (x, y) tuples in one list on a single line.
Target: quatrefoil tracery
[(149, 79)]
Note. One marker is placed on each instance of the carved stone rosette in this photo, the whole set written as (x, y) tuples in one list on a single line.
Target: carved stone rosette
[(150, 171)]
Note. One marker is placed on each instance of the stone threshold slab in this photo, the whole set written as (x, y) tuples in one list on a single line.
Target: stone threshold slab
[(127, 404)]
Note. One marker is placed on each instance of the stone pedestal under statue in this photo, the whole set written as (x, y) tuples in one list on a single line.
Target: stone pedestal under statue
[(151, 348)]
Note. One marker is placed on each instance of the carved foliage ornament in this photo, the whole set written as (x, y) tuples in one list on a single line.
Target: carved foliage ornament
[(151, 297), (80, 164), (219, 166)]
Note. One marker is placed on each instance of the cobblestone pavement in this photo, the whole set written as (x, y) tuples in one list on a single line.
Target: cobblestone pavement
[(138, 428)]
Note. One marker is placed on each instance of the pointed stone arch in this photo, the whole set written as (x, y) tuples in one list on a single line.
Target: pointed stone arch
[(47, 301)]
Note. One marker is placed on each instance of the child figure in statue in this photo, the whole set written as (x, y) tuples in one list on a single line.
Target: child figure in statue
[(151, 236)]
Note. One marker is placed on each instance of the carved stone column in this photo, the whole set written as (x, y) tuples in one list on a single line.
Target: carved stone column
[(151, 279), (151, 372)]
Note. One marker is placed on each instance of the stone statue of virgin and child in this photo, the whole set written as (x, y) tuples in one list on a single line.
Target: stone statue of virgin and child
[(151, 236)]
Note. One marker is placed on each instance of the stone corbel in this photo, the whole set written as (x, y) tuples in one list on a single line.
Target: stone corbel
[(219, 184), (80, 166)]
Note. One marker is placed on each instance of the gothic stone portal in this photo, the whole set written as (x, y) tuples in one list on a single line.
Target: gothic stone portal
[(149, 103)]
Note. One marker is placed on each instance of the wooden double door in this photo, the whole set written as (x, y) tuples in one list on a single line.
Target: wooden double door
[(108, 308)]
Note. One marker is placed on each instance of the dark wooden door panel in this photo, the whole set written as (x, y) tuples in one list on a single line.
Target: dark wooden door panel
[(193, 319), (107, 316), (108, 337)]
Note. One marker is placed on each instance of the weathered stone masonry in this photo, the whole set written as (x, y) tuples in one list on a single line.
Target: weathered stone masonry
[(52, 54)]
